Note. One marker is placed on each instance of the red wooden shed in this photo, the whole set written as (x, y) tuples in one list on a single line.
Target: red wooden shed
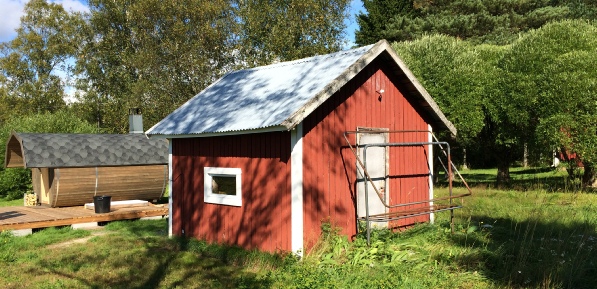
[(260, 158)]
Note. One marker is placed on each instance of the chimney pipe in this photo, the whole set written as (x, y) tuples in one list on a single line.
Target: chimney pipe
[(135, 120)]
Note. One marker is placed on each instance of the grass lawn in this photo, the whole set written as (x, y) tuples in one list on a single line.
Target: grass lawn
[(17, 202), (529, 238)]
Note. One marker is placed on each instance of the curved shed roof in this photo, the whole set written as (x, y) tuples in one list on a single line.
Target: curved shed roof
[(279, 96), (50, 150)]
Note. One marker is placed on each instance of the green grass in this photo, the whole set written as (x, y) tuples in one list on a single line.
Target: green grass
[(8, 203), (523, 179), (530, 238)]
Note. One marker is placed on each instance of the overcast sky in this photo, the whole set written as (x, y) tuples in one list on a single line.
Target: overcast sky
[(12, 10)]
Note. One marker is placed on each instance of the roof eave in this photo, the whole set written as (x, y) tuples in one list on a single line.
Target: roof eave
[(276, 128)]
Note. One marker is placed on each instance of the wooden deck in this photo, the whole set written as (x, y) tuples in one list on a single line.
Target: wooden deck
[(17, 218)]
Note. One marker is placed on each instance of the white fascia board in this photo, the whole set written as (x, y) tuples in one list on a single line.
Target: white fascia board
[(430, 164), (296, 195), (170, 188)]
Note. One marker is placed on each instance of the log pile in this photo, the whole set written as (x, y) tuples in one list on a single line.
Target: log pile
[(30, 200)]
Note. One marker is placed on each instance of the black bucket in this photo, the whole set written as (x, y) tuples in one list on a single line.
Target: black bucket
[(101, 204)]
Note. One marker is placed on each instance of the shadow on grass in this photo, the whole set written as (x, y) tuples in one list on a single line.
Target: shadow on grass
[(523, 179), (531, 171), (532, 254), (140, 255)]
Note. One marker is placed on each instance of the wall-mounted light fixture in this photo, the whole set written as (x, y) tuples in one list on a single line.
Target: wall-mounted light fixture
[(380, 92)]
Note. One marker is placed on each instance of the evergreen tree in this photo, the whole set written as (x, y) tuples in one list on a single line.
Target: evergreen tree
[(480, 21), (373, 24)]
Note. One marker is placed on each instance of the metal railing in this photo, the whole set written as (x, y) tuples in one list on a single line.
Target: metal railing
[(392, 216)]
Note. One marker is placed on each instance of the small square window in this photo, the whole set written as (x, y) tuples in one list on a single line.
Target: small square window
[(222, 186)]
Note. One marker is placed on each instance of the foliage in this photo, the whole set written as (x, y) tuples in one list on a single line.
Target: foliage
[(553, 80), (288, 30), (503, 97), (157, 54), (466, 82), (32, 62), (149, 54), (455, 74), (480, 21), (14, 182), (373, 23)]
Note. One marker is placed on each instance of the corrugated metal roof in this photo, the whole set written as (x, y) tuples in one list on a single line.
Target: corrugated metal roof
[(279, 96), (48, 150), (257, 98)]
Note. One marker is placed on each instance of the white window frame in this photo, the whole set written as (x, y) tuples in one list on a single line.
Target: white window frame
[(210, 197)]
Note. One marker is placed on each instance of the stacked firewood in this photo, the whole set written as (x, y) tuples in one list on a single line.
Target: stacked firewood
[(30, 200)]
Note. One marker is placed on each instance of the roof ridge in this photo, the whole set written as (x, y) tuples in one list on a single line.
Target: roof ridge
[(304, 60)]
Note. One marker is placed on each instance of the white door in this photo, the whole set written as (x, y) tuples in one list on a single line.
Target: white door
[(377, 165)]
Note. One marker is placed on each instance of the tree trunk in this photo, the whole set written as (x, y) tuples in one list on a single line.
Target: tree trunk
[(589, 177), (525, 156), (503, 173), (464, 165)]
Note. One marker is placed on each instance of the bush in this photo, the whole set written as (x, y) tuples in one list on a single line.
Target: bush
[(14, 183)]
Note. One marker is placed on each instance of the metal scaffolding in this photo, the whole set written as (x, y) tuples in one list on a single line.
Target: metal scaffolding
[(408, 212)]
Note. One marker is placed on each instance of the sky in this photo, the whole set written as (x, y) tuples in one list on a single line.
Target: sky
[(12, 10)]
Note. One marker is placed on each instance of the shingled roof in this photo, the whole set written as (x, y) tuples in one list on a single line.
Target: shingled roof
[(278, 97), (48, 150)]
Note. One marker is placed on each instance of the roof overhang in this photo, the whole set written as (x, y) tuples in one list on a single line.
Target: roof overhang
[(223, 133)]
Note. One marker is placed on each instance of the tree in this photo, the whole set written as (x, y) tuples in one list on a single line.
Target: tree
[(374, 23), (567, 88), (274, 30), (157, 54), (480, 21), (454, 74), (465, 82), (539, 90), (30, 63), (150, 54)]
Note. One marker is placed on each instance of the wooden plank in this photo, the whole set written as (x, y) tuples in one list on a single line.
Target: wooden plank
[(32, 218), (14, 154)]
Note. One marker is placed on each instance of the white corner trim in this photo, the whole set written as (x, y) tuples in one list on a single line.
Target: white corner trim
[(296, 195), (170, 188), (430, 161), (230, 200)]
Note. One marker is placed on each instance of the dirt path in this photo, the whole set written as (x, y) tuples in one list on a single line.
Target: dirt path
[(83, 240)]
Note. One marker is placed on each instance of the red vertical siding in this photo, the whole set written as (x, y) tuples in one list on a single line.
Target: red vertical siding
[(329, 166), (329, 170), (263, 220)]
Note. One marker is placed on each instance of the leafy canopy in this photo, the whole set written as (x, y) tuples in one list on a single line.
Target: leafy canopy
[(480, 21)]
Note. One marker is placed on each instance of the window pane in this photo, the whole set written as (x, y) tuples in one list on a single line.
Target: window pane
[(224, 185)]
